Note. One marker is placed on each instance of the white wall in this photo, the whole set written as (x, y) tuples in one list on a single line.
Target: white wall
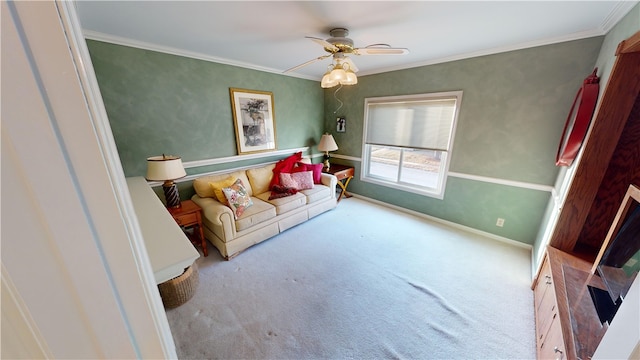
[(622, 339), (76, 280)]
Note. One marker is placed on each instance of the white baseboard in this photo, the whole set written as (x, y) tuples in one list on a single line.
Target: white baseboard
[(448, 223)]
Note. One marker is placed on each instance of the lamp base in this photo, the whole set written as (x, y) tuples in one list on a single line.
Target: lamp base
[(171, 194), (326, 163)]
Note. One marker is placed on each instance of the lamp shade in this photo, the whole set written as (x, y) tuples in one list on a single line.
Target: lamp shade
[(351, 79), (165, 167), (327, 143), (328, 81), (339, 74)]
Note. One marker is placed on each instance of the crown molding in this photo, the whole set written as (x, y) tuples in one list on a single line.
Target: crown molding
[(621, 9), (117, 40), (492, 51)]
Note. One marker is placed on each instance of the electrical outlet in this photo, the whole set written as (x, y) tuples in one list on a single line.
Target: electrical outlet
[(500, 222)]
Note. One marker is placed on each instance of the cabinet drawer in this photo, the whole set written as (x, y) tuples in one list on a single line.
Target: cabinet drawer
[(547, 316), (552, 345), (543, 284), (187, 219), (344, 174)]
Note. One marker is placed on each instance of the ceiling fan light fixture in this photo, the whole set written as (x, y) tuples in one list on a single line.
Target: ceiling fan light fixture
[(338, 74), (339, 46), (328, 81), (352, 79)]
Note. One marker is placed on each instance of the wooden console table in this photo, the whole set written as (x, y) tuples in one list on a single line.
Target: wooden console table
[(341, 172)]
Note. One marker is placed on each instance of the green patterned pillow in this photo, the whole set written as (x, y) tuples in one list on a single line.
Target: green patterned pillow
[(238, 198)]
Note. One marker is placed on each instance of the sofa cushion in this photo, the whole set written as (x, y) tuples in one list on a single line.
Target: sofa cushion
[(259, 212), (237, 198), (217, 187), (203, 189), (316, 168), (319, 192), (260, 178), (299, 181), (286, 203)]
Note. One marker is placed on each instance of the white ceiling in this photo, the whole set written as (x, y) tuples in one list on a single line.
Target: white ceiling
[(270, 35)]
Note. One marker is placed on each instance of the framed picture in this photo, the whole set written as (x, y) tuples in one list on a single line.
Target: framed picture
[(254, 120), (341, 124)]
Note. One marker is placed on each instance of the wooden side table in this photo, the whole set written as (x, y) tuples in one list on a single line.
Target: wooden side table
[(341, 172), (190, 215)]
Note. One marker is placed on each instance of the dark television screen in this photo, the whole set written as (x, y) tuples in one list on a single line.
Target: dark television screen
[(620, 262), (626, 244)]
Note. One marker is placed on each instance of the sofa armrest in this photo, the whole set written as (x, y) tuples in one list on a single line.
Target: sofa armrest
[(331, 181), (217, 217)]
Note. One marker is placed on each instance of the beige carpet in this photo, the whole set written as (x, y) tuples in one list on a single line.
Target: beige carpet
[(362, 282)]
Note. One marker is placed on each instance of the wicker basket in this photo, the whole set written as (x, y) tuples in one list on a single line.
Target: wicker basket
[(179, 290)]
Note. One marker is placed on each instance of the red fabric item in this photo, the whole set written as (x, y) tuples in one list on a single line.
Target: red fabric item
[(281, 191), (284, 165), (316, 168)]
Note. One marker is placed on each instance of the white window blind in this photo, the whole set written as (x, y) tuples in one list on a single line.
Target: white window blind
[(420, 124), (407, 141)]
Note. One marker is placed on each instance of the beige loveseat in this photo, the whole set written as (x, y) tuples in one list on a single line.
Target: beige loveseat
[(265, 218)]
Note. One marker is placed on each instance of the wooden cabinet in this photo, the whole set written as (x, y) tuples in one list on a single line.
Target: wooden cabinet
[(567, 324), (552, 346), (609, 161), (549, 339)]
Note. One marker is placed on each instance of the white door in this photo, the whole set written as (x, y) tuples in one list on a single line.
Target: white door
[(76, 278)]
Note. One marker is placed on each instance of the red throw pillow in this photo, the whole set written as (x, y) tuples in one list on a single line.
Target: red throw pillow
[(316, 168), (284, 165)]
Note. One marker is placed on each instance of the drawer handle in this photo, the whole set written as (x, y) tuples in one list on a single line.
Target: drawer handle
[(548, 281), (556, 350)]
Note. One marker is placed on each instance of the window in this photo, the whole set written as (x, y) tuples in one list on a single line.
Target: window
[(408, 140)]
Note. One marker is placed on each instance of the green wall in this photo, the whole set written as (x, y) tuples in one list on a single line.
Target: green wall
[(159, 103), (513, 110)]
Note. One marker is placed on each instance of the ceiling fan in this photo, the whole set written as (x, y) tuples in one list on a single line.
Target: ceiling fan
[(340, 46)]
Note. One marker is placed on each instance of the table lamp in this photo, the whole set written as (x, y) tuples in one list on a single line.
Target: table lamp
[(327, 143), (166, 168)]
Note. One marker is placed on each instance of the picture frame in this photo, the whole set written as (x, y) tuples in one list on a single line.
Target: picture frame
[(341, 124), (254, 120)]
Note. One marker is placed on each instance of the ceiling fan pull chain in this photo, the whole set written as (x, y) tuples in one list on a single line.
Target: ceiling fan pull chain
[(334, 95)]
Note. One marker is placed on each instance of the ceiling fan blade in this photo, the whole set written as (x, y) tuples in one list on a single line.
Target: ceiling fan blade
[(325, 44), (380, 50), (307, 63)]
